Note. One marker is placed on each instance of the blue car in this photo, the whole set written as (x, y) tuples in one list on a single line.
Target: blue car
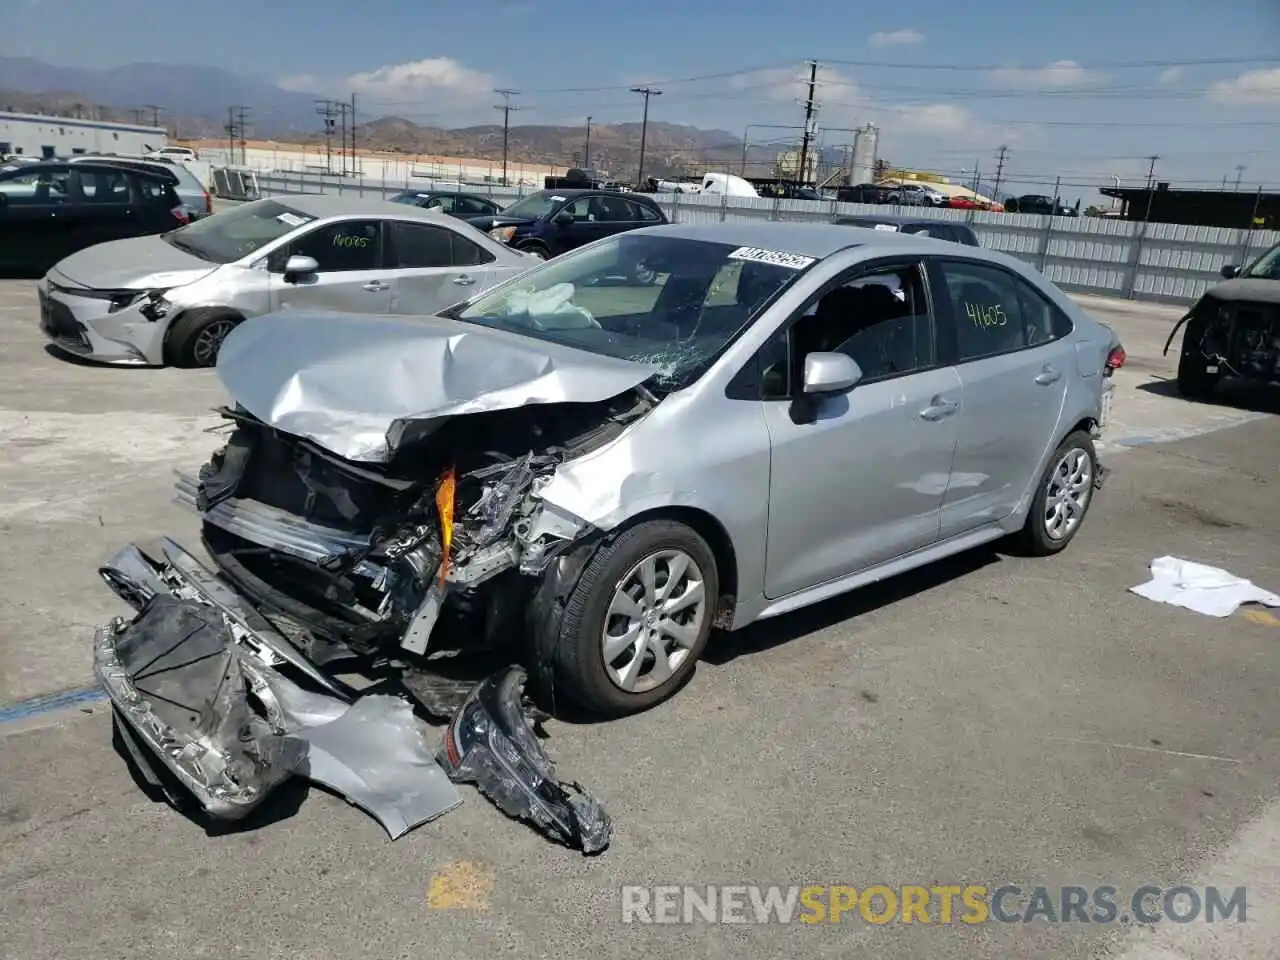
[(550, 222)]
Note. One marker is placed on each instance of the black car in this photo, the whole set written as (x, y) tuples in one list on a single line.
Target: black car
[(461, 205), (1233, 330), (942, 229), (48, 211), (864, 193), (550, 222), (1038, 203)]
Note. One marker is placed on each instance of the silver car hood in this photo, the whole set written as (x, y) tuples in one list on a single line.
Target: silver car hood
[(361, 386), (139, 263)]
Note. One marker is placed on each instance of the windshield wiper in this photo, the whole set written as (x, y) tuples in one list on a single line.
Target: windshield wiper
[(183, 245)]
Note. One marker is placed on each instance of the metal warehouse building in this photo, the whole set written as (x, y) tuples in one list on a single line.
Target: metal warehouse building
[(36, 136)]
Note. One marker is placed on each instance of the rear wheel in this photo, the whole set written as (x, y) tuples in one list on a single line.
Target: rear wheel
[(197, 335), (1195, 382), (1064, 495), (637, 620)]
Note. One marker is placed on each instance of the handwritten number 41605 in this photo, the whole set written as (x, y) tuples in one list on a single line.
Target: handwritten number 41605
[(992, 316)]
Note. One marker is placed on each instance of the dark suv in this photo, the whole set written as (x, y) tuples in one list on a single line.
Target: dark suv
[(551, 222), (51, 210)]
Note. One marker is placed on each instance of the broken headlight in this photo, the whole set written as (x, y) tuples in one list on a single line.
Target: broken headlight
[(491, 743), (155, 306)]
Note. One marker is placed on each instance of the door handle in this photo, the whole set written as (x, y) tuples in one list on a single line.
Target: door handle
[(1047, 376), (939, 408), (464, 280), (376, 286)]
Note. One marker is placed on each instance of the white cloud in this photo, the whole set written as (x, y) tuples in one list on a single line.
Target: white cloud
[(1251, 87), (1170, 74), (1060, 75), (882, 39), (401, 81)]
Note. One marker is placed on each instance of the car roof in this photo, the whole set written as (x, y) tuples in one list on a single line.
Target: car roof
[(159, 173), (320, 205), (822, 240), (572, 192), (896, 220), (444, 193)]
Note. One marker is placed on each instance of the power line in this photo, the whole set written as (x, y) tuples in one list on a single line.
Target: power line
[(506, 108), (1096, 65), (645, 92)]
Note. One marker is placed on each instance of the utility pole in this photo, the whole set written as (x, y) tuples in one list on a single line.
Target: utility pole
[(586, 150), (995, 189), (1151, 182), (231, 134), (1239, 174), (137, 116), (645, 92), (506, 108), (354, 167), (808, 120), (329, 113), (242, 126), (155, 113)]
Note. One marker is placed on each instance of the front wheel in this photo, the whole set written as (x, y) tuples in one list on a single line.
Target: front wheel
[(637, 620), (1195, 382), (535, 251), (1065, 493), (197, 335)]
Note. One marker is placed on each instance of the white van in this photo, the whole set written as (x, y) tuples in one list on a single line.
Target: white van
[(727, 183)]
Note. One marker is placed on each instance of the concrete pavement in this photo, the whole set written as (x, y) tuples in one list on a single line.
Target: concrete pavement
[(994, 720)]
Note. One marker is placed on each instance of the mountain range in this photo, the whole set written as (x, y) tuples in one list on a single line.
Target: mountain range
[(194, 101)]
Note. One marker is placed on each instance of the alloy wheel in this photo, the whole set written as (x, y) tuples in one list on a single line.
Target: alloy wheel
[(209, 341), (654, 619), (1067, 496)]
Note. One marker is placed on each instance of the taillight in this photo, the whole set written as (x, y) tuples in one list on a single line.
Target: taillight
[(180, 214), (208, 202), (1115, 359)]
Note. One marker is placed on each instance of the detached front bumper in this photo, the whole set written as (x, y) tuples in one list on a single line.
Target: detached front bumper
[(198, 688), (85, 323)]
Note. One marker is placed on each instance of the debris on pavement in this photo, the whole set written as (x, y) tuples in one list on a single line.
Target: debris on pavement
[(1204, 589), (491, 742), (202, 692)]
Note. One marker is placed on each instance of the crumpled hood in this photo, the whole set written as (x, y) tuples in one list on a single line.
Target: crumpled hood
[(138, 263), (1249, 289), (361, 386)]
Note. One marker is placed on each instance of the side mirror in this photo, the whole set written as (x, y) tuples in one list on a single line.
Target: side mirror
[(299, 266), (1230, 271), (563, 218), (828, 373)]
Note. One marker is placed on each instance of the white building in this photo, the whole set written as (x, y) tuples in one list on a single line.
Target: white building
[(36, 136)]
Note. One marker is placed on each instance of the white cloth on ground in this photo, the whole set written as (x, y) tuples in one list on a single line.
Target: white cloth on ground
[(1208, 590)]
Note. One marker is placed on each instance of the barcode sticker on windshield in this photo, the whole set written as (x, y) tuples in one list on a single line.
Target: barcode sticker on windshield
[(292, 219), (792, 261)]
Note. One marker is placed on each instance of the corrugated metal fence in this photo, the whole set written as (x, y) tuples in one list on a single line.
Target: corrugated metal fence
[(1161, 262)]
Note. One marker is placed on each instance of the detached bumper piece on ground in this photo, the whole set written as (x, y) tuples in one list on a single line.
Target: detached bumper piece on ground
[(203, 706)]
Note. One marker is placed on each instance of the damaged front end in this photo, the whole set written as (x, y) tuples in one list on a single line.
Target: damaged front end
[(1233, 330), (437, 549)]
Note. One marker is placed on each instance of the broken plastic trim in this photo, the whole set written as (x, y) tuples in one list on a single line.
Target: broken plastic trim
[(491, 743)]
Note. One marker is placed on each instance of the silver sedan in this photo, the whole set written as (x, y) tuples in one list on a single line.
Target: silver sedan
[(779, 414), (173, 298)]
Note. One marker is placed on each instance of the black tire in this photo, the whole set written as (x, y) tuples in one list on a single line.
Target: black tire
[(184, 346), (1034, 539), (579, 667), (1194, 381)]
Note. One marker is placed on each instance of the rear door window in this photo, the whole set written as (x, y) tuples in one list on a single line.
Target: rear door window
[(421, 245), (986, 308)]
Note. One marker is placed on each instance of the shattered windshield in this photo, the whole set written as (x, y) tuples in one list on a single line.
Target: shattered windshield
[(237, 233), (670, 302), (1267, 266)]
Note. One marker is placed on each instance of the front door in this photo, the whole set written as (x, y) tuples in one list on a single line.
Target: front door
[(36, 210), (353, 276), (109, 207), (863, 483), (584, 227), (1014, 367)]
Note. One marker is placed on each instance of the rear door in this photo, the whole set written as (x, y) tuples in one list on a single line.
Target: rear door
[(353, 274), (425, 277), (1013, 365)]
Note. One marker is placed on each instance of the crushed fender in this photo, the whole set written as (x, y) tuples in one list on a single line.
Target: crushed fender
[(491, 742)]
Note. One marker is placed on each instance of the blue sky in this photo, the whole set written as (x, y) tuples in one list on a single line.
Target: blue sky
[(947, 83)]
